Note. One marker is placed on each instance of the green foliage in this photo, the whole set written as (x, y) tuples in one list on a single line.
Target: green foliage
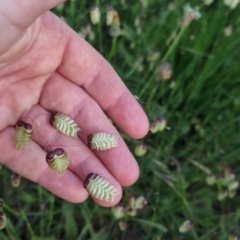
[(201, 103)]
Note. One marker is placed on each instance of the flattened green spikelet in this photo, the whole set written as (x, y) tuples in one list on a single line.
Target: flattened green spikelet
[(99, 187), (23, 134), (65, 124), (57, 160), (102, 141)]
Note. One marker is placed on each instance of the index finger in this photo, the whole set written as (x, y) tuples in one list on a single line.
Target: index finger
[(84, 66)]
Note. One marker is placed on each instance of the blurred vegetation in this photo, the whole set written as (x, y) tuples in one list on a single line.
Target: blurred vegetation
[(201, 104)]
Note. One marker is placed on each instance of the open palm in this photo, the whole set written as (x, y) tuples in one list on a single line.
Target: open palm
[(48, 68)]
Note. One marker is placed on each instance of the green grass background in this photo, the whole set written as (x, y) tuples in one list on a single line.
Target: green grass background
[(203, 116)]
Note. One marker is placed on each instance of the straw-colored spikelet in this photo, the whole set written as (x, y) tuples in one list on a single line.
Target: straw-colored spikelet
[(15, 179), (57, 160), (99, 187), (95, 15), (64, 124), (110, 15), (102, 141), (23, 134)]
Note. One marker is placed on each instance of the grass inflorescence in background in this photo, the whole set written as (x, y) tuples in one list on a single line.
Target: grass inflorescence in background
[(200, 102)]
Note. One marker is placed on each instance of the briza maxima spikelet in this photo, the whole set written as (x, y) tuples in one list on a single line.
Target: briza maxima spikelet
[(99, 187), (23, 134), (57, 160), (95, 15), (15, 179), (64, 124), (110, 15), (102, 141)]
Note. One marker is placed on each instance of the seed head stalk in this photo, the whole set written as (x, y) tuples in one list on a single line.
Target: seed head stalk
[(29, 227), (185, 202), (174, 43), (86, 215), (100, 31), (164, 59), (113, 48), (12, 211)]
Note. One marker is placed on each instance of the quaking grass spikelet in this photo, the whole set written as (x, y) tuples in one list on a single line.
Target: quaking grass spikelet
[(95, 15), (110, 15), (64, 124), (99, 187), (102, 141), (140, 150), (57, 160), (233, 236), (118, 211), (15, 179), (23, 134), (122, 225)]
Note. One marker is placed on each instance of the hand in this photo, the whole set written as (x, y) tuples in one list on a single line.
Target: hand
[(46, 67)]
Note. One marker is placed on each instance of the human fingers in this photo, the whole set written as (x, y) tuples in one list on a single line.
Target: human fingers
[(31, 163), (63, 96), (82, 160), (87, 68)]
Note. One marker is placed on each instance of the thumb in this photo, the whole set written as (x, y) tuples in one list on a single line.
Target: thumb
[(16, 16)]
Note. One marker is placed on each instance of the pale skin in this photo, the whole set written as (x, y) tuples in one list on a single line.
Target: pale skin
[(46, 67)]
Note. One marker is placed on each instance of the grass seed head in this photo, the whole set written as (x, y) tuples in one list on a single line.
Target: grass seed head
[(227, 179), (233, 236), (222, 195), (140, 150), (95, 15), (208, 2), (99, 187), (102, 141), (162, 123), (154, 127), (122, 225), (232, 193), (190, 14), (110, 15), (233, 185), (64, 124), (15, 179), (57, 160), (211, 179), (115, 30), (140, 202), (131, 212), (118, 211), (172, 84), (231, 3), (186, 226), (134, 204), (164, 71), (23, 134), (228, 31), (158, 125)]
